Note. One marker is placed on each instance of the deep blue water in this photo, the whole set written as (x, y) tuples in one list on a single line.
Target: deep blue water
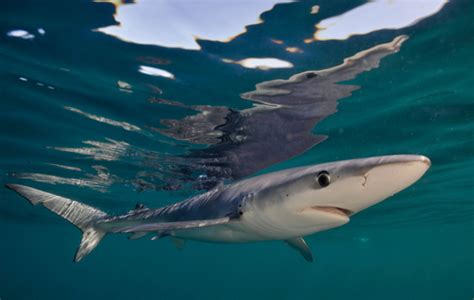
[(78, 119)]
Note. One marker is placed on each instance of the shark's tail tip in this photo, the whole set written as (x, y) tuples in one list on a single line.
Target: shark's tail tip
[(26, 192), (11, 186), (79, 214)]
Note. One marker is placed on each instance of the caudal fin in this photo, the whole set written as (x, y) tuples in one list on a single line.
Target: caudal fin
[(79, 214)]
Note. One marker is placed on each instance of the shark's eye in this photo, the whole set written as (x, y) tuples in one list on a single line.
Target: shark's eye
[(323, 178)]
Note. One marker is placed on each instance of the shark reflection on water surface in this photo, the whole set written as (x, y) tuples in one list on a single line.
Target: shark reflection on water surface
[(280, 123)]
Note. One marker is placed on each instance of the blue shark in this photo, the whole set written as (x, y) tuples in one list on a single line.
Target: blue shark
[(286, 205)]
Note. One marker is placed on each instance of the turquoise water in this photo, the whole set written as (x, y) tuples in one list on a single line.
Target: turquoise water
[(68, 127)]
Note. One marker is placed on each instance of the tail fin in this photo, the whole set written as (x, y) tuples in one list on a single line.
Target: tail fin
[(79, 214)]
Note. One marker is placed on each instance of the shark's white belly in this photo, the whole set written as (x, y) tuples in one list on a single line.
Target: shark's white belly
[(255, 226)]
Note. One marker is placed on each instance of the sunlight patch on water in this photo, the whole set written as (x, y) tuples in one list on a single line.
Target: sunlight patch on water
[(155, 72), (293, 50), (124, 86), (314, 9), (37, 83), (185, 21), (22, 34), (376, 15), (265, 63)]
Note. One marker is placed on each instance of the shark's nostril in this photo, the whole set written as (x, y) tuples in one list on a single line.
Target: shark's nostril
[(365, 180)]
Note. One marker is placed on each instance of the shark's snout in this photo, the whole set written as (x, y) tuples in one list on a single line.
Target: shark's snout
[(383, 177)]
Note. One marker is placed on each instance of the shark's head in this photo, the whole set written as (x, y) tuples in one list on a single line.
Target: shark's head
[(323, 196)]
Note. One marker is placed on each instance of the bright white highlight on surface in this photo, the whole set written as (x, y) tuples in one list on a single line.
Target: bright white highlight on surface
[(124, 85), (155, 72), (123, 125), (261, 63), (22, 34), (377, 15), (177, 23), (111, 150)]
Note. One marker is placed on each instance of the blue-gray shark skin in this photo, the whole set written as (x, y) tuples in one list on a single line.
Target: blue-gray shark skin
[(285, 205)]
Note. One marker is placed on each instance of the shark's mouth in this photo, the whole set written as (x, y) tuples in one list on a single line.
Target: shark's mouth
[(334, 210)]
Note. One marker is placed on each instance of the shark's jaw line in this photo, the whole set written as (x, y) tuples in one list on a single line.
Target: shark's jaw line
[(332, 210)]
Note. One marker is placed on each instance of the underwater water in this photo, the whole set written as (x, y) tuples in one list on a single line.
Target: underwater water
[(150, 112)]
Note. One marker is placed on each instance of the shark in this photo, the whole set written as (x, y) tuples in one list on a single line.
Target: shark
[(285, 205)]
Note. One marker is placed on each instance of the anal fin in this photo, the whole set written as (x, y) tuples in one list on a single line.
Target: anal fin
[(303, 248)]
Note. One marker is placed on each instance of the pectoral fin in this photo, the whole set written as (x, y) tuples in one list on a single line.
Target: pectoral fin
[(300, 245)]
